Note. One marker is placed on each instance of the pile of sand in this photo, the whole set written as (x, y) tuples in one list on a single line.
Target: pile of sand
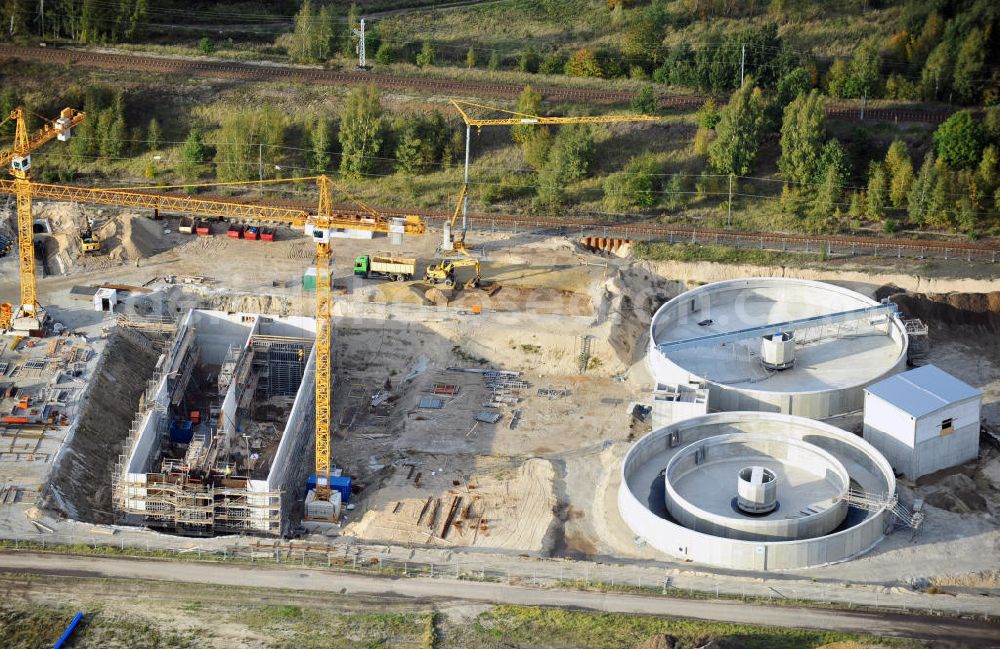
[(957, 493), (127, 238), (506, 507)]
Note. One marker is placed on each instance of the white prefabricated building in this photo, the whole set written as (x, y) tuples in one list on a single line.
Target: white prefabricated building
[(923, 420)]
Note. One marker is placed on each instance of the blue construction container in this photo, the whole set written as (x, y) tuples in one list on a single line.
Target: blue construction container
[(181, 432), (341, 484)]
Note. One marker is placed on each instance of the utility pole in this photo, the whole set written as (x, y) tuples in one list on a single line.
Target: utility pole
[(864, 96), (260, 165), (743, 59), (465, 202), (729, 205), (41, 18), (360, 33)]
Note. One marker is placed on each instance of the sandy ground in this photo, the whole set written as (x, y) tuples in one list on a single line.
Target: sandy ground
[(545, 483), (498, 504)]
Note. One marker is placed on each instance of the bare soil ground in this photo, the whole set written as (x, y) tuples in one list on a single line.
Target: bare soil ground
[(545, 473)]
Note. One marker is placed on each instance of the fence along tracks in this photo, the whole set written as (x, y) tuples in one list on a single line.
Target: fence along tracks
[(272, 72)]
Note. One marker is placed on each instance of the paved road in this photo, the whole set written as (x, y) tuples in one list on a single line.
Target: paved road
[(945, 632)]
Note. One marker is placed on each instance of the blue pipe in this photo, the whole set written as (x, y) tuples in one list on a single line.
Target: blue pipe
[(69, 631)]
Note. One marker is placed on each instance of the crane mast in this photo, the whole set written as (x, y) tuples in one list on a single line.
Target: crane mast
[(323, 372), (19, 158)]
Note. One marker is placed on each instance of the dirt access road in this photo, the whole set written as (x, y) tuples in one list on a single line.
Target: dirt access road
[(942, 632)]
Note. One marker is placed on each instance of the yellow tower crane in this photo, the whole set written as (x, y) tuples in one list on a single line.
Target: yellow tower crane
[(512, 118), (19, 158), (320, 224)]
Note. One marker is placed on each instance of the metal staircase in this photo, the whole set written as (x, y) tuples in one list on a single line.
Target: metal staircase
[(876, 502)]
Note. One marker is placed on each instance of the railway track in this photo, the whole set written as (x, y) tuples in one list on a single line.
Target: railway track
[(271, 72), (646, 229)]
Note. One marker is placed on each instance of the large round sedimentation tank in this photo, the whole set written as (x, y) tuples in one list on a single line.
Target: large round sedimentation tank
[(816, 372), (756, 491)]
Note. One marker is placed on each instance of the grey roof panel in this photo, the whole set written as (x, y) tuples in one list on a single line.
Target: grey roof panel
[(923, 390)]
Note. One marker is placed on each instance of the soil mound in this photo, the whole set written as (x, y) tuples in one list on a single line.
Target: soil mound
[(130, 238), (939, 310), (629, 301), (959, 494), (659, 641), (81, 480)]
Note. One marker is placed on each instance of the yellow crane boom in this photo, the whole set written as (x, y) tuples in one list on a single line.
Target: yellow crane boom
[(322, 222), (520, 119)]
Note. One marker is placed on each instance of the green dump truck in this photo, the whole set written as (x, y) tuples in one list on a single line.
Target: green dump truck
[(399, 269)]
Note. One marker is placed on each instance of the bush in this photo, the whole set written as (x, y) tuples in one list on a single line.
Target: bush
[(384, 54), (554, 63), (702, 139), (206, 45), (634, 186), (645, 101), (583, 63), (528, 61), (426, 55), (495, 61), (959, 140), (708, 114)]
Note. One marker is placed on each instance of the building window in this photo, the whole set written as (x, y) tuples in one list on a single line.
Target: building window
[(946, 427)]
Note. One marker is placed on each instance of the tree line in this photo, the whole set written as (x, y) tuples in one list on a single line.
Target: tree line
[(953, 187), (944, 50)]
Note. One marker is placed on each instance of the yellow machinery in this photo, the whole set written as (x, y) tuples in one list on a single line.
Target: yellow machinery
[(319, 224), (89, 243), (443, 272), (19, 159)]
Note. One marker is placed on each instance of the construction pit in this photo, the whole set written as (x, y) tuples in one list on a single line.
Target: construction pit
[(443, 454), (226, 423)]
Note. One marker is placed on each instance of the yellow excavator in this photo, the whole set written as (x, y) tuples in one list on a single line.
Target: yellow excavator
[(89, 243), (443, 272)]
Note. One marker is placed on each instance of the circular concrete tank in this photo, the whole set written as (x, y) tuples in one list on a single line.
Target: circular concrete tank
[(819, 373), (680, 491), (813, 485)]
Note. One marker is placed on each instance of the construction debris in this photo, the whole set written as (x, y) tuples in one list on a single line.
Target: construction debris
[(488, 417)]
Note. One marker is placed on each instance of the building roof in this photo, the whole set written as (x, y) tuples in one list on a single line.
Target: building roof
[(923, 390)]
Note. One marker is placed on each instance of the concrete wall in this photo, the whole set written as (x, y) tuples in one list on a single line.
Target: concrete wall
[(215, 332), (651, 453), (724, 449), (915, 446), (292, 461)]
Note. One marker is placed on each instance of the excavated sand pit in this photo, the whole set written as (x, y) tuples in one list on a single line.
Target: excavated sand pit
[(80, 484)]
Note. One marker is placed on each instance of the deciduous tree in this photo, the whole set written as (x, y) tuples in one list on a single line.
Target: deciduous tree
[(360, 133), (734, 150), (803, 131)]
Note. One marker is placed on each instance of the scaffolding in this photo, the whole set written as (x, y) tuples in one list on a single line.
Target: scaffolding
[(204, 492), (920, 342)]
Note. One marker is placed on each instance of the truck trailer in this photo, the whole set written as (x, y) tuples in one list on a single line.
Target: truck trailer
[(399, 269)]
